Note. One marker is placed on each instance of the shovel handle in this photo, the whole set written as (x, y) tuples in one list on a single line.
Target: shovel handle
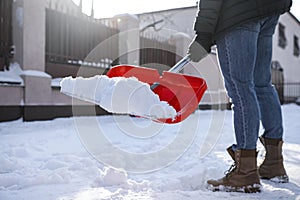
[(180, 64), (176, 68)]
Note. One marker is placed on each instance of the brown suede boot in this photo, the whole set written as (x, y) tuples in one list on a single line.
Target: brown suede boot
[(242, 176), (272, 167)]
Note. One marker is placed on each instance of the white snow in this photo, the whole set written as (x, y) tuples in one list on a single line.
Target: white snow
[(55, 82), (13, 75), (35, 73), (52, 160), (118, 95)]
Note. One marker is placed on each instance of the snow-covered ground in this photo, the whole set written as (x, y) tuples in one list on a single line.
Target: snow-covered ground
[(63, 158)]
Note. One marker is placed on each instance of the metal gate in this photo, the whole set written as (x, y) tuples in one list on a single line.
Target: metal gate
[(70, 39), (5, 33), (157, 54)]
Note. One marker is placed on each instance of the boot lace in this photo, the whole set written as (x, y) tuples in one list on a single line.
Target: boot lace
[(230, 170)]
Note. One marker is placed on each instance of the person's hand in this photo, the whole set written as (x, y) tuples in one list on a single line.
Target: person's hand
[(199, 48)]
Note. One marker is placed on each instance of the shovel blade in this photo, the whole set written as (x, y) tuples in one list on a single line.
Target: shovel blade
[(183, 92)]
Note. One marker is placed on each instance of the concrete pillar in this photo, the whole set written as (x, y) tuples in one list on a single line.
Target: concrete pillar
[(38, 89), (29, 38), (29, 34), (129, 38)]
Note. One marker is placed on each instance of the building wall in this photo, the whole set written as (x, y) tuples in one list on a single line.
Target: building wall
[(11, 95), (182, 19), (11, 101), (289, 62), (174, 20)]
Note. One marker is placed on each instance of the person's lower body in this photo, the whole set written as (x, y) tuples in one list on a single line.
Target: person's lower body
[(245, 56)]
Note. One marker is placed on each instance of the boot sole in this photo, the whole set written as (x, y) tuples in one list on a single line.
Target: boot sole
[(277, 179), (256, 188)]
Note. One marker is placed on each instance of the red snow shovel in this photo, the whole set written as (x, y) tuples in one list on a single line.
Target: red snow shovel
[(183, 92)]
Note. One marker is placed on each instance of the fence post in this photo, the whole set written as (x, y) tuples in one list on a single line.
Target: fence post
[(129, 38), (29, 36)]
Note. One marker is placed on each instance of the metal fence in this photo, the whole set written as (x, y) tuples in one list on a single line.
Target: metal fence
[(5, 33), (291, 92), (156, 53), (70, 40)]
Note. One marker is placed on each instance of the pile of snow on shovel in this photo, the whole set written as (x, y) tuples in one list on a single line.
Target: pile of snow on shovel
[(118, 95)]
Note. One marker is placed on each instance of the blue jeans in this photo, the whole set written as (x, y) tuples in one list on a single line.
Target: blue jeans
[(245, 56)]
